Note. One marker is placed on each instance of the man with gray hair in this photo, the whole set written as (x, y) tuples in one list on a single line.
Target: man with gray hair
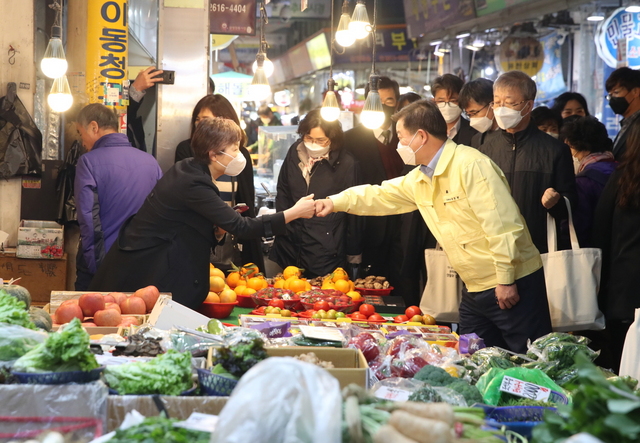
[(112, 181), (539, 168)]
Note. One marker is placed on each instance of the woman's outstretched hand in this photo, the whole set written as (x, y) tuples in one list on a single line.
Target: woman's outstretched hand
[(304, 208)]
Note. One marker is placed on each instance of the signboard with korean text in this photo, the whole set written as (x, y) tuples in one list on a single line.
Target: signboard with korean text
[(549, 79), (393, 45), (423, 16), (107, 51), (524, 54), (617, 39), (485, 7), (236, 17)]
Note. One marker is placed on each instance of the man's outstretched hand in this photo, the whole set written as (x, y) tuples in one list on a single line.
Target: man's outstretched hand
[(147, 78), (324, 207)]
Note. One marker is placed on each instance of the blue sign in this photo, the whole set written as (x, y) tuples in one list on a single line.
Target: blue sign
[(619, 25), (609, 118), (549, 79)]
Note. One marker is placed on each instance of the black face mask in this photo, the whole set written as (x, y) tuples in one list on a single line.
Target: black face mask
[(619, 105), (388, 111)]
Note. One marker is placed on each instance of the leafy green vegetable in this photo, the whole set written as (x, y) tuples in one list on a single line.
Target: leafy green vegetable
[(425, 394), (13, 311), (238, 358), (470, 393), (434, 376), (166, 374), (65, 350), (608, 411), (159, 430), (15, 341), (220, 370)]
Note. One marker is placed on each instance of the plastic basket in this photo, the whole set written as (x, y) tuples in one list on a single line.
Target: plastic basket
[(520, 419), (58, 378), (29, 427), (215, 385), (187, 393)]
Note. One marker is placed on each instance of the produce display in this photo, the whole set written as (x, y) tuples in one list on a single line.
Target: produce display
[(242, 351), (372, 282), (138, 345), (13, 311), (159, 430), (312, 358)]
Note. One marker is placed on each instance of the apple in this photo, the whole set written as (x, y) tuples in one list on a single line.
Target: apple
[(129, 321), (118, 296), (416, 319), (91, 303), (109, 299), (89, 324), (64, 314), (73, 301), (107, 317), (133, 305), (428, 319), (150, 295), (114, 306)]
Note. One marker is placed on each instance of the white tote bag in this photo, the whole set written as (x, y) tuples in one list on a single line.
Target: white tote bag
[(630, 363), (443, 292), (572, 279)]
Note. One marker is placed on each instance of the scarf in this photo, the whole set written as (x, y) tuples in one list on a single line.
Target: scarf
[(595, 157)]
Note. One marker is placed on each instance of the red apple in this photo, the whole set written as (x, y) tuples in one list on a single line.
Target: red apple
[(89, 324), (129, 321), (150, 296), (91, 303), (133, 305), (114, 306), (118, 296), (107, 317), (109, 299), (72, 301), (64, 314)]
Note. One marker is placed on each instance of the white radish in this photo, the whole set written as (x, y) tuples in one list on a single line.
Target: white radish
[(389, 434), (423, 430), (435, 411)]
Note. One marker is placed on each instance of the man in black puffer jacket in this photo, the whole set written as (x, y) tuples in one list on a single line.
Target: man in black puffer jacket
[(538, 167)]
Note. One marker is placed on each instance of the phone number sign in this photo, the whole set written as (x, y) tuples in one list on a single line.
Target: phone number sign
[(237, 17)]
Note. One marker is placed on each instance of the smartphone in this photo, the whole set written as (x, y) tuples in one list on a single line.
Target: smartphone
[(168, 77), (241, 207)]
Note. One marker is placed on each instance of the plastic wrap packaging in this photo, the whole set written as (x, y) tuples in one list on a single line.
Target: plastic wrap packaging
[(175, 407), (403, 356), (15, 341), (53, 407), (489, 383), (305, 407)]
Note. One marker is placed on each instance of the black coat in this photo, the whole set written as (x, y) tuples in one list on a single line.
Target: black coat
[(620, 142), (465, 133), (167, 243), (616, 231), (533, 161), (318, 245), (251, 248)]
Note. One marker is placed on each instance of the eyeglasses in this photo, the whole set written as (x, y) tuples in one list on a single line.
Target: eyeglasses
[(322, 141), (449, 103), (472, 114), (616, 93), (495, 105)]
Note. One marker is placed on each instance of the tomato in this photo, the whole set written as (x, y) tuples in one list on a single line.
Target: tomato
[(358, 316), (276, 303), (400, 319), (412, 310), (321, 305), (375, 317), (367, 310), (428, 320)]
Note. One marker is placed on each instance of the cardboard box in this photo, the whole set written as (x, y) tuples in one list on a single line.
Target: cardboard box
[(168, 313), (350, 364), (39, 276), (40, 239)]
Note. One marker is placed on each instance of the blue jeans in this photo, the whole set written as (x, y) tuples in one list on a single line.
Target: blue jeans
[(508, 328)]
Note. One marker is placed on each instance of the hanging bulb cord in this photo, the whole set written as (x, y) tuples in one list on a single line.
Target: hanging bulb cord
[(333, 40), (373, 37), (57, 21)]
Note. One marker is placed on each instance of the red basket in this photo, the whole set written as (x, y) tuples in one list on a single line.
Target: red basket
[(246, 301), (364, 291), (217, 310)]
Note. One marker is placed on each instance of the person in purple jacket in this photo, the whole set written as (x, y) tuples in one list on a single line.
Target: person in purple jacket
[(591, 149), (112, 181)]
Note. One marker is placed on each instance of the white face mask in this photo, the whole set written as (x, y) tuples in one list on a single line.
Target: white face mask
[(315, 150), (449, 111), (481, 124), (508, 118), (265, 120), (407, 153), (554, 134), (235, 166)]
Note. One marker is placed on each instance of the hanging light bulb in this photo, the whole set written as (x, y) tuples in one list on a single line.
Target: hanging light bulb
[(344, 36), (268, 67), (60, 98), (259, 88), (372, 115), (330, 110), (359, 24), (54, 64)]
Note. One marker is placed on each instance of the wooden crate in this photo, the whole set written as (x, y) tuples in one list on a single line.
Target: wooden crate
[(39, 276), (57, 297)]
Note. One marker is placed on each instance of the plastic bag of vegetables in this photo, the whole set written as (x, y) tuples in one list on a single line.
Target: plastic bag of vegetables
[(489, 384), (15, 341)]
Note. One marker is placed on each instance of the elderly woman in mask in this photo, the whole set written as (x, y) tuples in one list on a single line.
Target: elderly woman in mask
[(317, 164), (167, 243)]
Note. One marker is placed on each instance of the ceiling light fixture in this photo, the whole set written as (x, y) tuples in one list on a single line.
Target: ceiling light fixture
[(330, 110), (54, 63), (344, 36), (359, 24), (632, 8), (372, 115), (259, 89), (463, 35), (60, 98)]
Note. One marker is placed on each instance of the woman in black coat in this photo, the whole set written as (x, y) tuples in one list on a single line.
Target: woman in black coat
[(317, 164), (167, 243), (616, 230), (216, 105)]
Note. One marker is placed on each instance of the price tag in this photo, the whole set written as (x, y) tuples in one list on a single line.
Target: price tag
[(524, 389), (321, 333), (393, 394)]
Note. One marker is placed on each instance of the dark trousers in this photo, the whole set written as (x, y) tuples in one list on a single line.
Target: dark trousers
[(508, 328), (83, 276)]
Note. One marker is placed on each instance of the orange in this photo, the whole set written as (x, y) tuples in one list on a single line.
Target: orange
[(265, 284), (217, 272), (339, 274), (342, 286), (255, 283), (216, 284), (240, 289), (249, 291), (291, 271), (232, 279), (279, 284), (308, 286), (355, 295), (228, 296), (288, 281), (213, 297), (328, 284), (298, 285), (249, 270)]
